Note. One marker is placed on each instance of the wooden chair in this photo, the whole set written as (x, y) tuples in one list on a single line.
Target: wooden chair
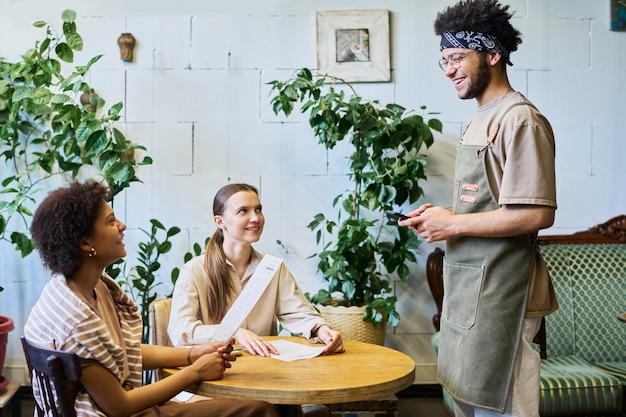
[(160, 316), (54, 370)]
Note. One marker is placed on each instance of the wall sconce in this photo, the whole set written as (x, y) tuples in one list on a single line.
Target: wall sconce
[(126, 42)]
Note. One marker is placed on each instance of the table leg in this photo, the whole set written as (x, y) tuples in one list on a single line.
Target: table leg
[(287, 410)]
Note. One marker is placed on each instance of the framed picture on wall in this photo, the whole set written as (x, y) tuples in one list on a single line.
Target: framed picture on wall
[(354, 44), (618, 15)]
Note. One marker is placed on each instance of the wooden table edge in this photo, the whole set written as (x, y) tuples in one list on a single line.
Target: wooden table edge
[(337, 396), (306, 396)]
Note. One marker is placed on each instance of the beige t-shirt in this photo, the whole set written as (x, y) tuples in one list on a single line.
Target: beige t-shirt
[(521, 171)]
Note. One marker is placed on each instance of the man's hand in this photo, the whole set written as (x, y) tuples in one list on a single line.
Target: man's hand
[(430, 222)]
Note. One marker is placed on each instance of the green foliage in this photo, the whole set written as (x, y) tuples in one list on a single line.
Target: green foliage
[(48, 136), (46, 133), (196, 250), (365, 249)]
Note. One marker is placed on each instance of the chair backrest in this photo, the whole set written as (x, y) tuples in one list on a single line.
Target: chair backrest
[(590, 285), (53, 370), (160, 319)]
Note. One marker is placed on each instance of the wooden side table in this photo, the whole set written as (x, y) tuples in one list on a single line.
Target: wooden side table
[(10, 400)]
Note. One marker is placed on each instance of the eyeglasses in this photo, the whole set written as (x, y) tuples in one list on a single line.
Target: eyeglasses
[(454, 60)]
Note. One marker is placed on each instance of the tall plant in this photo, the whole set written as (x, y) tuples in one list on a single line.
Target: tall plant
[(46, 132), (54, 128), (362, 249)]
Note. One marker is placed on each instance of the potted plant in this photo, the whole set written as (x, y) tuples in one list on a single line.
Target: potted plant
[(6, 325), (52, 125), (362, 247)]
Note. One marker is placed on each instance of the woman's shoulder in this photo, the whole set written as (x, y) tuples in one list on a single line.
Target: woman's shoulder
[(56, 314), (195, 262), (193, 270)]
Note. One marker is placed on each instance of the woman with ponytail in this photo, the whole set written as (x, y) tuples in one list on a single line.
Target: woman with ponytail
[(209, 284)]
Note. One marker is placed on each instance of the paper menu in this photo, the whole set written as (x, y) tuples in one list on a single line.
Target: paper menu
[(247, 299), (291, 351)]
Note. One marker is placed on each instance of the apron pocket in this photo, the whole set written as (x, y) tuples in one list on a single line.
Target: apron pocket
[(462, 286)]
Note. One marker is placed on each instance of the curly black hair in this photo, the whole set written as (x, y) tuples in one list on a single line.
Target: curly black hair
[(62, 219), (485, 16)]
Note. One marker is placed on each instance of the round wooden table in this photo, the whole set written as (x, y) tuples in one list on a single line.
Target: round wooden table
[(363, 372)]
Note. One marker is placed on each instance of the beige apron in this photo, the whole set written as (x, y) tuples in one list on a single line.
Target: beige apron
[(486, 284)]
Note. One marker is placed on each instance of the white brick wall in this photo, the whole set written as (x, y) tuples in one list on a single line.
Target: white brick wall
[(196, 97)]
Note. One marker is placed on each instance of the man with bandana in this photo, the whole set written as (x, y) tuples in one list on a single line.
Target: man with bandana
[(497, 287)]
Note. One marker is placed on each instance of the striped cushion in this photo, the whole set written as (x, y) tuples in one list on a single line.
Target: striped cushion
[(570, 385), (617, 369), (448, 402)]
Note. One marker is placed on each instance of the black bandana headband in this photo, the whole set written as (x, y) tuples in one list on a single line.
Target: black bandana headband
[(473, 40)]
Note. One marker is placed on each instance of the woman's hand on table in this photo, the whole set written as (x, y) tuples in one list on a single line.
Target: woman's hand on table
[(331, 338), (211, 366), (253, 344)]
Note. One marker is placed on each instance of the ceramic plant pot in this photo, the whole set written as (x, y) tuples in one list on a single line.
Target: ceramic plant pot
[(6, 325)]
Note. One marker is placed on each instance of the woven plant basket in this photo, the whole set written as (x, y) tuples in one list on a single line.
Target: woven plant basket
[(349, 321)]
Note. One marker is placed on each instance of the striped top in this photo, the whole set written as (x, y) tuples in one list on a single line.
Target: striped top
[(62, 320)]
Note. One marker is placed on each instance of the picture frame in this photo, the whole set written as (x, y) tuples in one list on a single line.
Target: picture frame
[(618, 15), (353, 45)]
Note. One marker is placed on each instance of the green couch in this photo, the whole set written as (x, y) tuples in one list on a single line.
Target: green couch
[(583, 344)]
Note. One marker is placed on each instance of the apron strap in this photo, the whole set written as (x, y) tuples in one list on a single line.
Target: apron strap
[(494, 131)]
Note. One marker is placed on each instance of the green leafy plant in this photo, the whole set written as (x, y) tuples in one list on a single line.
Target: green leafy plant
[(47, 133), (54, 128), (196, 250), (363, 248)]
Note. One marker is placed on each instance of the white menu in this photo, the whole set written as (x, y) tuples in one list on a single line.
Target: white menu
[(247, 299), (290, 351)]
